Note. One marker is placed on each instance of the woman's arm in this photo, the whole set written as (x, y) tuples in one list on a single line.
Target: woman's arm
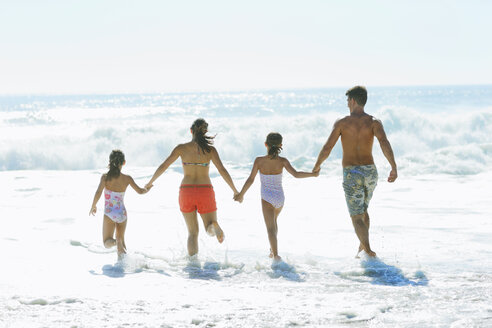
[(164, 166), (249, 181), (97, 195), (222, 170), (296, 173)]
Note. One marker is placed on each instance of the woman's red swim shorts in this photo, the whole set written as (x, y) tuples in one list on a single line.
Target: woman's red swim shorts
[(197, 197)]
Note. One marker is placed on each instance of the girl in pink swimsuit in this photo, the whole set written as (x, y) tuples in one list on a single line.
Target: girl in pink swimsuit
[(114, 184), (272, 194)]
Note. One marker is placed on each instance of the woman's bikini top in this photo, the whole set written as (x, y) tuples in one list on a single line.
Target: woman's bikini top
[(199, 164)]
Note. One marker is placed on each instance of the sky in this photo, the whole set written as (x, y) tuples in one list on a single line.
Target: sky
[(107, 46)]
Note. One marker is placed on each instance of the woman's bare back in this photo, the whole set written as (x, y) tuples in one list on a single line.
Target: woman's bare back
[(196, 163)]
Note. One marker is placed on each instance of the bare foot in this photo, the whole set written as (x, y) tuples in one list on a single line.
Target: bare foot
[(211, 230), (361, 248), (277, 258), (215, 230), (371, 253), (121, 249)]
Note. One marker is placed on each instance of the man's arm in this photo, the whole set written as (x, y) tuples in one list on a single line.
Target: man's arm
[(386, 148), (330, 143)]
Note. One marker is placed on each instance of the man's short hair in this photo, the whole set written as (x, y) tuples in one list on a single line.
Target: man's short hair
[(358, 93)]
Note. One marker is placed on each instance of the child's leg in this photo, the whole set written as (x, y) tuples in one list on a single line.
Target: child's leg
[(108, 232), (277, 212), (192, 225), (211, 225), (270, 215), (120, 237)]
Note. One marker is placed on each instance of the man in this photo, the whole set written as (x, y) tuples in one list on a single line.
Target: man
[(359, 172)]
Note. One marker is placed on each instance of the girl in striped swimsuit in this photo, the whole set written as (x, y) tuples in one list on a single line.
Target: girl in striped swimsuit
[(272, 194)]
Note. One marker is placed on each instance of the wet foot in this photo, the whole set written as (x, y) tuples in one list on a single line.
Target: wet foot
[(121, 249), (371, 253), (215, 230), (277, 258), (361, 248), (121, 255), (211, 230)]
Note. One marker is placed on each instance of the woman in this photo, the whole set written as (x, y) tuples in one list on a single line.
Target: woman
[(196, 193)]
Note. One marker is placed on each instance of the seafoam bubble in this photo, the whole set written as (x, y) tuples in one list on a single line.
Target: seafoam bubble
[(12, 304)]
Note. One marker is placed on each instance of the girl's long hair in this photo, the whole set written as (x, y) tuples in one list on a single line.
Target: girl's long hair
[(199, 130), (274, 141), (116, 159)]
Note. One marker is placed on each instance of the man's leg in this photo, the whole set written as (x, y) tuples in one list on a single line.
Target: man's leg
[(368, 223), (362, 232)]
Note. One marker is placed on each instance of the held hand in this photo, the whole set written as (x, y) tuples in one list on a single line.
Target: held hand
[(93, 211), (316, 169), (238, 197), (316, 173), (148, 186), (393, 175)]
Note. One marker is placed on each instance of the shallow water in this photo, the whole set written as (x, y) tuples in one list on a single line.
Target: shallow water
[(431, 229), (434, 264)]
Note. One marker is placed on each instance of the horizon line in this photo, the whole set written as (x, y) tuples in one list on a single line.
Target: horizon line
[(232, 90)]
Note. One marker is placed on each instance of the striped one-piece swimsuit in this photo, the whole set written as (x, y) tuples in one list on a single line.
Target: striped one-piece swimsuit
[(271, 189)]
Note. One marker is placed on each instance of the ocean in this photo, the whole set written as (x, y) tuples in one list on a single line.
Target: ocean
[(431, 228)]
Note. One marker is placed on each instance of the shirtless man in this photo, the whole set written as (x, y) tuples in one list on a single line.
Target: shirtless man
[(359, 172)]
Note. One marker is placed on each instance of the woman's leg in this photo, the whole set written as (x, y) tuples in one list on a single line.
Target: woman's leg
[(108, 232), (192, 225), (270, 214), (120, 237), (212, 226)]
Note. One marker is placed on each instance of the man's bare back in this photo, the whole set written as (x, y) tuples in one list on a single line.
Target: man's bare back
[(357, 132), (360, 176), (357, 135)]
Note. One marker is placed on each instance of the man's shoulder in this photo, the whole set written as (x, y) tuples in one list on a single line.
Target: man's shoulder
[(342, 120), (375, 120)]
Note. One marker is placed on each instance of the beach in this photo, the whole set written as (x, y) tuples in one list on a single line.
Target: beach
[(430, 229)]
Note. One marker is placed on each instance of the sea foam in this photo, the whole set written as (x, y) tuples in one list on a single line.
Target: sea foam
[(428, 134)]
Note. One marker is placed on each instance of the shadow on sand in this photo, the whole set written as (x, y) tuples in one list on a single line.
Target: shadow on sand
[(381, 273), (286, 271), (208, 272)]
